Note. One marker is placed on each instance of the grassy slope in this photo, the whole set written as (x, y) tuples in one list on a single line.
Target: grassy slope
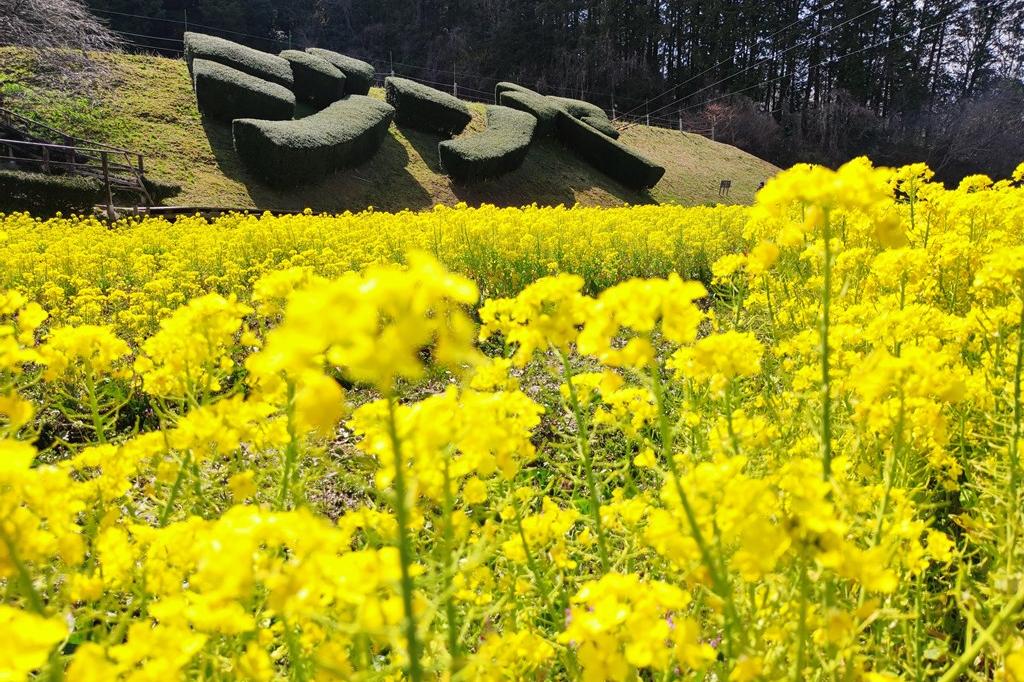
[(152, 110)]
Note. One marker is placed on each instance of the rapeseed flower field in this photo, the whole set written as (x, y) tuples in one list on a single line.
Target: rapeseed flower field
[(652, 443)]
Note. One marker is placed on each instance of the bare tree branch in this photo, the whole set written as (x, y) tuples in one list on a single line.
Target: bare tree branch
[(62, 33), (47, 24)]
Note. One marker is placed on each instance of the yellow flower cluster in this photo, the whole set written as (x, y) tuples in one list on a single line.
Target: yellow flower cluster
[(137, 274), (723, 443)]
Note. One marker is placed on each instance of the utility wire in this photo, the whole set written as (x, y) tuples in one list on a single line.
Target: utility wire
[(824, 62), (805, 43), (142, 35), (182, 23), (728, 59), (153, 47)]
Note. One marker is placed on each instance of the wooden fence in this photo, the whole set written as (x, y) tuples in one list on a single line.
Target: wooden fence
[(27, 144)]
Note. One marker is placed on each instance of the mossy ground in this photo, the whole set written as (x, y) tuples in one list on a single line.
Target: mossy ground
[(149, 106)]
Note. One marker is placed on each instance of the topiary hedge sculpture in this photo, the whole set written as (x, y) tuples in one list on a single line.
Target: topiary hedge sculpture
[(226, 93), (578, 108), (288, 153), (316, 81), (542, 109), (247, 60), (425, 108), (589, 113), (44, 195), (546, 107), (359, 75), (602, 125), (506, 86), (498, 150), (609, 156)]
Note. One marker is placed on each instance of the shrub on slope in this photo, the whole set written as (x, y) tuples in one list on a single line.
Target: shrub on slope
[(359, 75), (226, 93), (498, 150), (589, 113), (316, 81), (542, 109), (546, 107), (269, 67), (44, 195), (288, 153), (424, 108), (602, 125), (506, 86), (609, 156), (578, 108)]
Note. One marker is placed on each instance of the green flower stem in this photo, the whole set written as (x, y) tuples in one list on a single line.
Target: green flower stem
[(35, 601), (919, 638), (450, 568), (890, 475), (583, 438), (985, 637), (175, 490), (531, 562), (98, 423), (798, 665), (719, 581), (730, 427), (1018, 368), (405, 551), (1013, 493), (826, 387), (296, 669), (291, 452), (768, 301)]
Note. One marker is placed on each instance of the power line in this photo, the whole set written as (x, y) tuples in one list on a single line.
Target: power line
[(774, 56), (182, 23), (142, 35), (724, 61), (815, 66), (153, 47), (491, 79)]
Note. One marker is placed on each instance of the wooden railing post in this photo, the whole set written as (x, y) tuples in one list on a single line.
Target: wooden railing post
[(106, 181)]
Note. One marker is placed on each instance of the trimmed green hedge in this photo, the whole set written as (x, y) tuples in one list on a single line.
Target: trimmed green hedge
[(359, 75), (546, 107), (498, 150), (289, 153), (609, 156), (316, 80), (226, 93), (542, 109), (602, 125), (269, 67), (424, 108), (578, 108), (590, 114), (43, 195), (506, 86)]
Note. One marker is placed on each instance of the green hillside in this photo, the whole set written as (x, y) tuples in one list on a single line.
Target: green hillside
[(149, 106)]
